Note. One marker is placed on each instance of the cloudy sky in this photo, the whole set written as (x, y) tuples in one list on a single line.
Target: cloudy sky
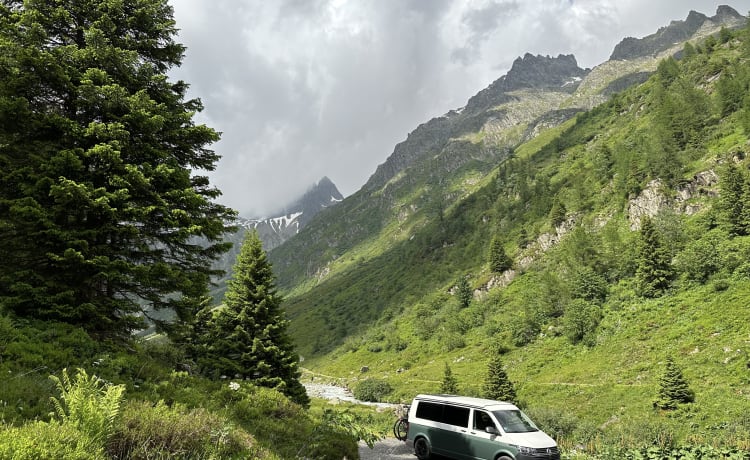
[(303, 89)]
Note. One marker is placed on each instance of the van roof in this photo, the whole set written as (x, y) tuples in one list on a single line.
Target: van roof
[(488, 404)]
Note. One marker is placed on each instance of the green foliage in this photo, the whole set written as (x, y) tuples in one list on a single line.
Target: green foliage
[(449, 385), (655, 272), (47, 441), (347, 423), (159, 431), (673, 388), (497, 385), (247, 337), (88, 404), (589, 285), (372, 389), (464, 294), (101, 216), (581, 319), (499, 260)]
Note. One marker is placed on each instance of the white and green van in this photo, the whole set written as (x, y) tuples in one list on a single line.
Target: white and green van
[(466, 428)]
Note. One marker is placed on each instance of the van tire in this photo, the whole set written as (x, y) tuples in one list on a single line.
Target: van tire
[(422, 449), (503, 457)]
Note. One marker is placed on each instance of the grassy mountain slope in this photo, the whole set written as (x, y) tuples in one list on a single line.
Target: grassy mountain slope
[(568, 206)]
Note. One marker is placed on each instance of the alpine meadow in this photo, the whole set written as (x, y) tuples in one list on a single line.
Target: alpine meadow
[(575, 241)]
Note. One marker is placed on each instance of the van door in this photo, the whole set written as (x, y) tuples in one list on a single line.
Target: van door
[(484, 445), (452, 438)]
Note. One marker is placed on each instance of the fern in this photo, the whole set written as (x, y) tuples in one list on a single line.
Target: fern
[(88, 403)]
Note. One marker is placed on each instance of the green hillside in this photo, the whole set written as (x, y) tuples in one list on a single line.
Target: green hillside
[(628, 229)]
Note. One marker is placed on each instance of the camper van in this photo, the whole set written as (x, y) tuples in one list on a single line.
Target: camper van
[(472, 428)]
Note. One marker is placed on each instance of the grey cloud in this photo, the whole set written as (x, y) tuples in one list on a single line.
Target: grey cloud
[(303, 89)]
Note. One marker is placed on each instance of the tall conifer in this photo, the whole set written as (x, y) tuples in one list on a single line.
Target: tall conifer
[(247, 337), (101, 215), (654, 273), (497, 385)]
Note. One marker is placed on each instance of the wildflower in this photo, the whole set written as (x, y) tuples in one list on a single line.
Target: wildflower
[(234, 386)]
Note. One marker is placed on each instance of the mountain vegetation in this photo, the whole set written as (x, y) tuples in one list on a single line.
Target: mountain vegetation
[(625, 225), (105, 224), (575, 240)]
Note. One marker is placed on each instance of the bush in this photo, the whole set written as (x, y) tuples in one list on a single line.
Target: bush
[(47, 441), (372, 390), (176, 432)]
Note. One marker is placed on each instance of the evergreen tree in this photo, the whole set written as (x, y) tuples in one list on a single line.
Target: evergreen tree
[(732, 190), (101, 216), (558, 213), (654, 273), (497, 385), (673, 388), (499, 260), (449, 385), (589, 285), (247, 337), (464, 292)]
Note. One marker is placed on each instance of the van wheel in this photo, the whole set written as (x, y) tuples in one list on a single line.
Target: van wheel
[(503, 457), (422, 449)]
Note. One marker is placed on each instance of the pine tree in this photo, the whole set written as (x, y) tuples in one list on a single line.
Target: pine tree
[(673, 388), (558, 213), (499, 260), (247, 337), (497, 385), (732, 189), (464, 292), (101, 216), (449, 385), (654, 273)]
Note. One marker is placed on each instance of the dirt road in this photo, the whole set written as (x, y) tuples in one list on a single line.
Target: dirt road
[(387, 449)]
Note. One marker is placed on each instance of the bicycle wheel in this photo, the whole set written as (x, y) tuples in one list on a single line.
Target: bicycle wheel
[(401, 429)]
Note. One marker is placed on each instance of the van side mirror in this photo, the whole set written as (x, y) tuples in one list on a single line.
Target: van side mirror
[(492, 430)]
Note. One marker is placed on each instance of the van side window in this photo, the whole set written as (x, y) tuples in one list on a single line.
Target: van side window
[(482, 420), (430, 411), (458, 416)]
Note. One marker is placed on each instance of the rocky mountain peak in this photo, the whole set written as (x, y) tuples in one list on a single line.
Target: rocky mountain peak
[(542, 72), (559, 73), (318, 197), (675, 32), (726, 13)]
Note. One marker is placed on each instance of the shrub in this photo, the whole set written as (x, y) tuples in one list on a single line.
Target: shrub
[(47, 441), (581, 320), (372, 390), (556, 423), (176, 432)]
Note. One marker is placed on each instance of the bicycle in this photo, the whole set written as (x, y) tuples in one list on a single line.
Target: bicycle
[(401, 427)]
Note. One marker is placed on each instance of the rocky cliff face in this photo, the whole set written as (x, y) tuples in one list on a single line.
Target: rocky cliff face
[(675, 32), (439, 162)]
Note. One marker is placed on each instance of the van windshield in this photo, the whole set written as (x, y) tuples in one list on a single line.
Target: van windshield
[(514, 421)]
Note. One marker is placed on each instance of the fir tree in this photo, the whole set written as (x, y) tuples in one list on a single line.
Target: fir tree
[(499, 260), (463, 292), (497, 385), (558, 213), (449, 385), (101, 216), (654, 273), (673, 388), (732, 189), (247, 337)]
